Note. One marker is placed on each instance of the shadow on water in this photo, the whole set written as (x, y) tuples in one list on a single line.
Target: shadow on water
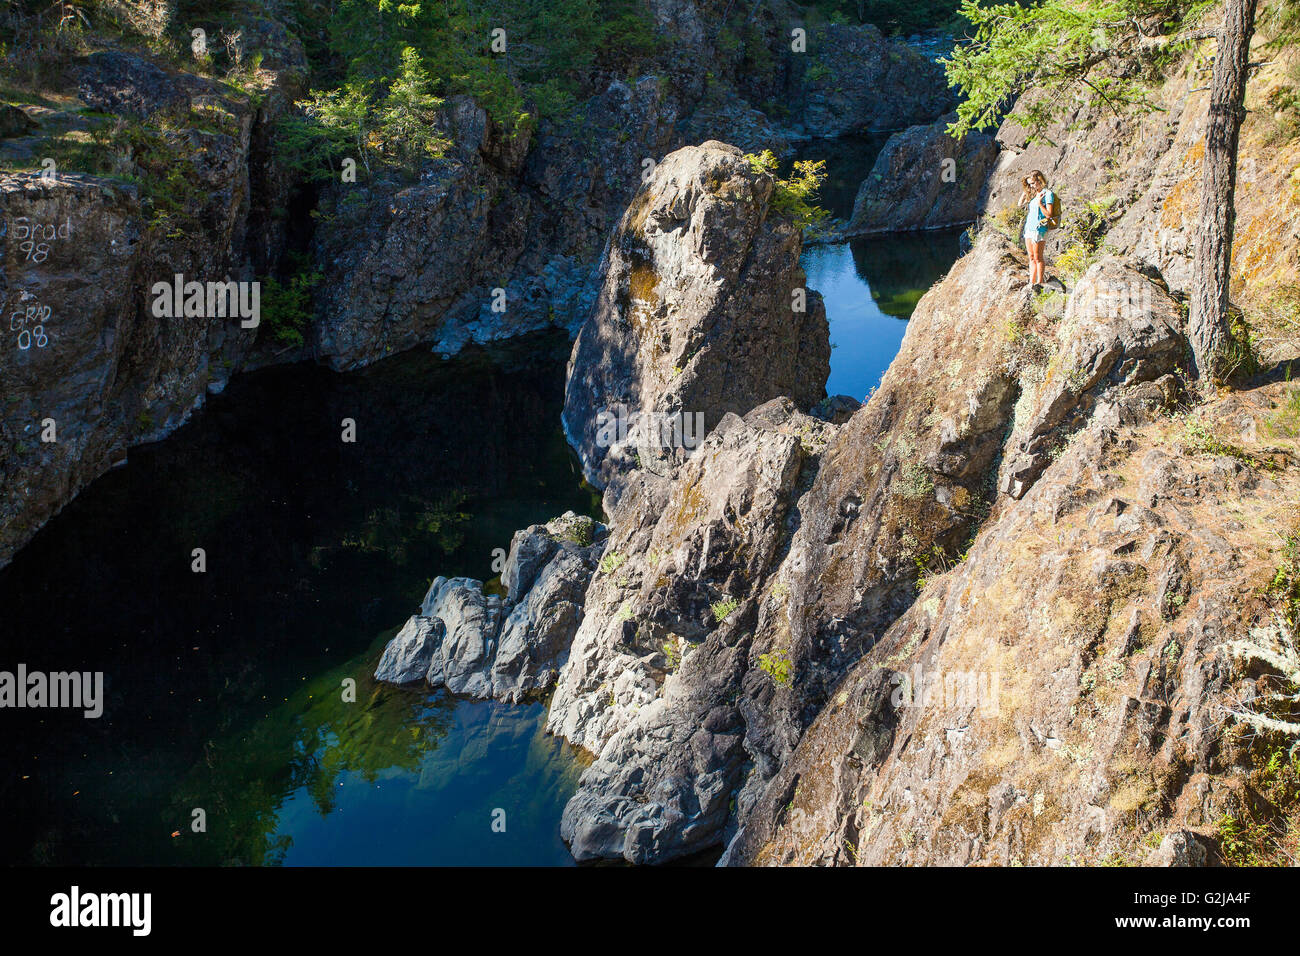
[(848, 162), (223, 689)]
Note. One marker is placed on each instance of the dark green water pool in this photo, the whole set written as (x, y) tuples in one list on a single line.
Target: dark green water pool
[(225, 690)]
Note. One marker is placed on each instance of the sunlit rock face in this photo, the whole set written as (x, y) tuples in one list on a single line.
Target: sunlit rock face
[(702, 311), (507, 647), (923, 179)]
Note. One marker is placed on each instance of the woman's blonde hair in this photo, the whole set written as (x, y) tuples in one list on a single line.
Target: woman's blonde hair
[(1037, 174)]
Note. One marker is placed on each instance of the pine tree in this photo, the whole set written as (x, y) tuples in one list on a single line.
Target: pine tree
[(1208, 321)]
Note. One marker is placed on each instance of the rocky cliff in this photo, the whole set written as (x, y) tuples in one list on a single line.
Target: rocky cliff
[(702, 311), (166, 167), (1076, 683), (923, 179), (90, 365), (987, 619), (1060, 696), (504, 646)]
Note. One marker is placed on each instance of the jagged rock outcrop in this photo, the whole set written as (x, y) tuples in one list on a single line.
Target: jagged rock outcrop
[(702, 311), (482, 645), (923, 179), (1119, 328), (651, 682), (116, 82), (1060, 696)]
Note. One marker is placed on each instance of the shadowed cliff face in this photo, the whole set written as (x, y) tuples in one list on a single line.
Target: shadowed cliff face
[(922, 179), (83, 346)]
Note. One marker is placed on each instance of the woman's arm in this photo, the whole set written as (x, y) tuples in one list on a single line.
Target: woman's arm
[(1044, 211)]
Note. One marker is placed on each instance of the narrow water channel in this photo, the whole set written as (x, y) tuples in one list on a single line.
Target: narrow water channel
[(871, 284)]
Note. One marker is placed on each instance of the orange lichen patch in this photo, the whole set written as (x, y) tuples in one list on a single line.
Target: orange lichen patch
[(642, 282), (1259, 257), (638, 210), (1180, 204), (1264, 253), (690, 508), (642, 298)]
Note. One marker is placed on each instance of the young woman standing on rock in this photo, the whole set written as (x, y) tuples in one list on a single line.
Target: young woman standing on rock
[(1042, 216)]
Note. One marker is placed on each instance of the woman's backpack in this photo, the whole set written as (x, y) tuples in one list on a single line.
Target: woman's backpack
[(1053, 218)]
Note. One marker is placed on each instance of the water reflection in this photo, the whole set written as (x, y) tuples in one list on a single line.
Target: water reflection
[(399, 777), (871, 286), (313, 548)]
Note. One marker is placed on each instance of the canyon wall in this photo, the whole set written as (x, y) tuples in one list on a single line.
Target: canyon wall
[(501, 236)]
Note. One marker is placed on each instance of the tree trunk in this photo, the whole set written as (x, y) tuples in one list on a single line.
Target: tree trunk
[(1208, 313)]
